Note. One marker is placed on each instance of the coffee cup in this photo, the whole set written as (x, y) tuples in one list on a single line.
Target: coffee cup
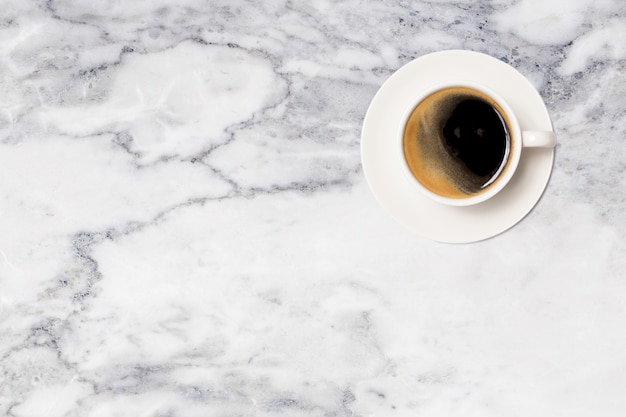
[(460, 142)]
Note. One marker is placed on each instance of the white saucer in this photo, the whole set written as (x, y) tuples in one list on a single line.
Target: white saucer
[(392, 188)]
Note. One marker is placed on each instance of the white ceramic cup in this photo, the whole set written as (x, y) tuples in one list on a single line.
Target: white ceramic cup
[(529, 139)]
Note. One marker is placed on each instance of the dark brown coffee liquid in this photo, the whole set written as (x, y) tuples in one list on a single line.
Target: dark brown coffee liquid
[(457, 142), (476, 135)]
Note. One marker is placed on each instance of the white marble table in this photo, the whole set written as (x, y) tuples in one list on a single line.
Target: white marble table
[(186, 229)]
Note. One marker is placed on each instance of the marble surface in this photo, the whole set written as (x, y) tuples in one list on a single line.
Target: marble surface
[(186, 229)]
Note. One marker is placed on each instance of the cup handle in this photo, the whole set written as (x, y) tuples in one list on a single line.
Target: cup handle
[(537, 139)]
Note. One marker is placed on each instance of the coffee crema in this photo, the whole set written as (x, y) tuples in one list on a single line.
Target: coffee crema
[(457, 142)]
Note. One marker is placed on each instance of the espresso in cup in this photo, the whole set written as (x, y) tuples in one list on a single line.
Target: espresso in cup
[(457, 142)]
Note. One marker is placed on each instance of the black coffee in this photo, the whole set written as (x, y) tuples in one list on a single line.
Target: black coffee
[(476, 136), (457, 143)]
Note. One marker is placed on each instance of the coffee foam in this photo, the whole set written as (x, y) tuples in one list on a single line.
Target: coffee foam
[(425, 152)]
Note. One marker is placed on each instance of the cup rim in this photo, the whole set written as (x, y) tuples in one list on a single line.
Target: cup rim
[(515, 150)]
